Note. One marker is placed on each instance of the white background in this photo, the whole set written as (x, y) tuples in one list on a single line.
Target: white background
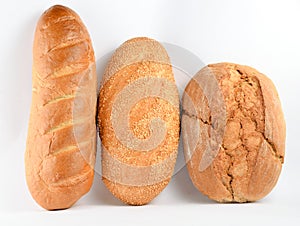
[(259, 33)]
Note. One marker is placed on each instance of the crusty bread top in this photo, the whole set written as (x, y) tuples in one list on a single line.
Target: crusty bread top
[(63, 67), (204, 109), (134, 60), (133, 51), (274, 125), (62, 43)]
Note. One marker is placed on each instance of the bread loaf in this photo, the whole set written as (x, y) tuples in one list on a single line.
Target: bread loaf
[(138, 116), (234, 133), (61, 142)]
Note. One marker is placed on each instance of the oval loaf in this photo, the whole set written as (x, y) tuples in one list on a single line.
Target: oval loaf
[(138, 116)]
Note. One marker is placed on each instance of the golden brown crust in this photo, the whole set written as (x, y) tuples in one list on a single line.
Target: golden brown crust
[(139, 124), (251, 152), (61, 142)]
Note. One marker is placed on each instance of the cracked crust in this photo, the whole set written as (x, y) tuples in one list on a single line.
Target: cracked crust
[(251, 153), (61, 140)]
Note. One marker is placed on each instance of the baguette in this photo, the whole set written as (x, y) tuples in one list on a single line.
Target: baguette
[(138, 116), (61, 141)]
